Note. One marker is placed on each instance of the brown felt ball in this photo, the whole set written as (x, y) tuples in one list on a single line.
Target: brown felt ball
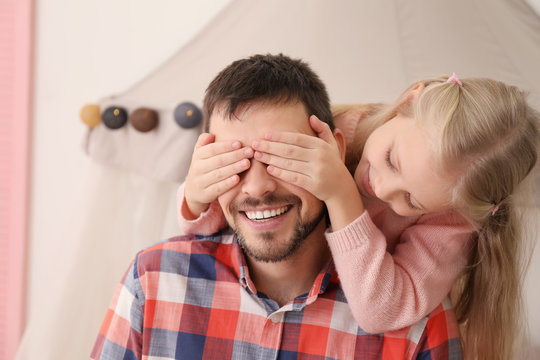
[(144, 119)]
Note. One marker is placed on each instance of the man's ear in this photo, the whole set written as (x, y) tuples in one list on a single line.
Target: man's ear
[(341, 143)]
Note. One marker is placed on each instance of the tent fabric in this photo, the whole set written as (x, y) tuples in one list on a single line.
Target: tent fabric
[(365, 51)]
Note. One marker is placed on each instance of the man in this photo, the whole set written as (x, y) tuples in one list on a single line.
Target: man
[(266, 287)]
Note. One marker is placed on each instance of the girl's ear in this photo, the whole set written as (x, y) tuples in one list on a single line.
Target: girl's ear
[(410, 96), (341, 143), (416, 91)]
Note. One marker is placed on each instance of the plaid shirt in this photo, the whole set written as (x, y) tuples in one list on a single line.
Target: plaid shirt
[(192, 298)]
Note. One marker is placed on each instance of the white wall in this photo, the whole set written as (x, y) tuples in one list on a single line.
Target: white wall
[(86, 50)]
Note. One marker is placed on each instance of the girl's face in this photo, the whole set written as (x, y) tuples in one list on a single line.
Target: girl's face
[(398, 167)]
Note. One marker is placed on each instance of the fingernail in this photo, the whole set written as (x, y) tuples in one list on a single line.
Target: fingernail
[(236, 145), (248, 151), (256, 143)]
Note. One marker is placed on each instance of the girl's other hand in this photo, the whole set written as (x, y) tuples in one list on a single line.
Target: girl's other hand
[(213, 171)]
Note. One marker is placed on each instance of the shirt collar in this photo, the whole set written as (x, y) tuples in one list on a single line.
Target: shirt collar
[(242, 268), (326, 276)]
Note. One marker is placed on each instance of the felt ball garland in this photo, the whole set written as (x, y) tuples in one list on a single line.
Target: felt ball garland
[(186, 115)]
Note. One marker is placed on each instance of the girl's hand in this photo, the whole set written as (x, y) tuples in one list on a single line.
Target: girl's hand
[(213, 171), (312, 163)]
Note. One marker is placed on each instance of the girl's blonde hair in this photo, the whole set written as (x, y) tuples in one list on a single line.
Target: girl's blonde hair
[(487, 130)]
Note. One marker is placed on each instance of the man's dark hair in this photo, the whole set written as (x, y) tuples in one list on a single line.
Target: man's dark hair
[(267, 78)]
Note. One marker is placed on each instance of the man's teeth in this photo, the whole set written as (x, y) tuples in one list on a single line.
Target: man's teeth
[(266, 214)]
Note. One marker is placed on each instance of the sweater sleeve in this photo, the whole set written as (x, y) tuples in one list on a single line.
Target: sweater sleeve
[(208, 223), (390, 291), (348, 121)]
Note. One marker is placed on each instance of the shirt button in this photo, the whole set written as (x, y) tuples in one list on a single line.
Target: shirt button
[(275, 318)]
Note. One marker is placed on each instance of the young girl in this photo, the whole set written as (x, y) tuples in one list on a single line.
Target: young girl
[(437, 173)]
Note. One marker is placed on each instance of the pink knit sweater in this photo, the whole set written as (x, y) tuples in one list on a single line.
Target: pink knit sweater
[(394, 270)]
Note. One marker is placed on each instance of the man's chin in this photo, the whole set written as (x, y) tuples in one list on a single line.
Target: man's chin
[(270, 246), (264, 247)]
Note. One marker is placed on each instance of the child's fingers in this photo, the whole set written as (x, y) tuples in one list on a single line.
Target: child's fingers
[(203, 194), (272, 140), (205, 150), (217, 189), (289, 176), (204, 139), (220, 174), (290, 164), (224, 159), (290, 138), (321, 129), (283, 149)]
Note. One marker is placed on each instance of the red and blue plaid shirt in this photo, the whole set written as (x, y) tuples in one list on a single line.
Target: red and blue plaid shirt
[(192, 298)]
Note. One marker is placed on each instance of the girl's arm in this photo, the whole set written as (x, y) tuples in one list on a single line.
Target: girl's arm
[(390, 291)]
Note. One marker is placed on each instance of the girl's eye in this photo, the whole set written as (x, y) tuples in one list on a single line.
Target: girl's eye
[(409, 202), (389, 160)]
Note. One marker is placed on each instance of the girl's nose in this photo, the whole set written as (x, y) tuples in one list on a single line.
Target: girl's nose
[(386, 190)]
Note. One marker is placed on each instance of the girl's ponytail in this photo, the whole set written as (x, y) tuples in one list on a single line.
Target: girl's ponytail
[(486, 129), (488, 296)]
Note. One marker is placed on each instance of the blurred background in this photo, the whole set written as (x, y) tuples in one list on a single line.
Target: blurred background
[(61, 189)]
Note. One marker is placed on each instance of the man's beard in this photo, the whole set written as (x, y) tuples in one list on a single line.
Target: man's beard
[(271, 253)]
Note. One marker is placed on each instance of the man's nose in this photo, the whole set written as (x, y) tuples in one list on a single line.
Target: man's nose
[(256, 181)]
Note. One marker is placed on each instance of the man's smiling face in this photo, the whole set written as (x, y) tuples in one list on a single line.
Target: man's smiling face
[(272, 218)]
